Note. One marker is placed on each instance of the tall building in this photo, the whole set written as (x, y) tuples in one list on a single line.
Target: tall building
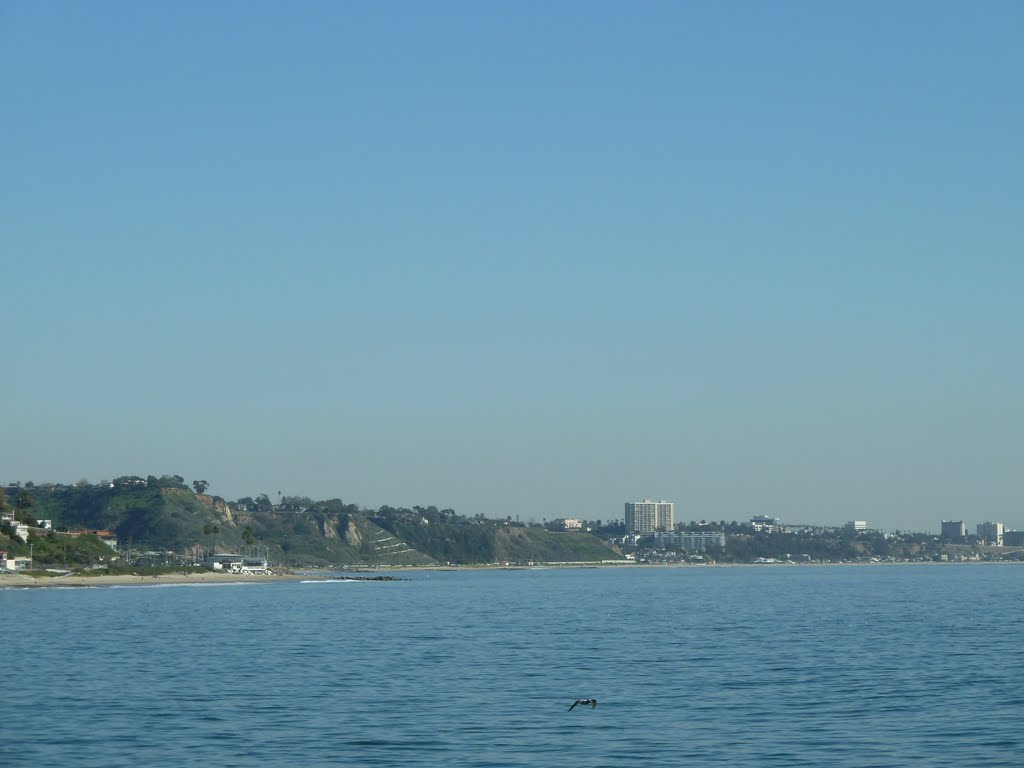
[(1013, 538), (991, 533), (649, 516), (954, 530)]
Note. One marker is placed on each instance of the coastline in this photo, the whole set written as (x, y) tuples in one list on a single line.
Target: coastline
[(17, 580), (22, 581)]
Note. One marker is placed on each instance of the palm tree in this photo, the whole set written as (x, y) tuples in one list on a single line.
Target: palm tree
[(211, 529)]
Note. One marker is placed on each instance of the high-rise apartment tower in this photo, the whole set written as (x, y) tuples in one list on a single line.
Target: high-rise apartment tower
[(953, 530), (991, 533), (649, 516)]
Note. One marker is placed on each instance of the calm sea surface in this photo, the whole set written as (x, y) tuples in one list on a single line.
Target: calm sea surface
[(758, 666)]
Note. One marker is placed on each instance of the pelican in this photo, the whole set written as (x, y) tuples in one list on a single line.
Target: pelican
[(584, 702)]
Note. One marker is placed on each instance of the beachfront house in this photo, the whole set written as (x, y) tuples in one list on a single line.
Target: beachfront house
[(232, 563)]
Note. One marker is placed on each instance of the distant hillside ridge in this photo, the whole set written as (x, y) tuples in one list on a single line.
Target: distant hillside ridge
[(450, 538), (164, 514)]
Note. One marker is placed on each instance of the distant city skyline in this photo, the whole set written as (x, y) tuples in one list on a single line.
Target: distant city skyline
[(521, 260), (638, 517)]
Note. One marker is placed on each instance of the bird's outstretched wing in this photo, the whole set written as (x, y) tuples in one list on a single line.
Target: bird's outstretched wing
[(584, 702)]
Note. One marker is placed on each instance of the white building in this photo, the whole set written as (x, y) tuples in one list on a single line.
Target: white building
[(857, 525), (18, 530), (991, 533), (765, 524), (224, 561), (649, 516), (568, 524), (232, 563), (691, 541)]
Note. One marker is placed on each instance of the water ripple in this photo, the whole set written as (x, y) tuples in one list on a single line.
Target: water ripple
[(846, 667)]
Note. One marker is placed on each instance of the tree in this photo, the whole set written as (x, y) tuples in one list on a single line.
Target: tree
[(24, 500), (200, 485), (211, 529), (248, 535)]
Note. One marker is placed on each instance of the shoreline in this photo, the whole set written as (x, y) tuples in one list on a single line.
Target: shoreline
[(385, 573), (17, 580)]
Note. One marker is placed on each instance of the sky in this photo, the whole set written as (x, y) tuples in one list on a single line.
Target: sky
[(528, 259)]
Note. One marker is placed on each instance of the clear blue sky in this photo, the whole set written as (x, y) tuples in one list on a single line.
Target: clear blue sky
[(525, 258)]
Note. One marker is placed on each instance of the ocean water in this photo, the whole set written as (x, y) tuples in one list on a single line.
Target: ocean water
[(747, 666)]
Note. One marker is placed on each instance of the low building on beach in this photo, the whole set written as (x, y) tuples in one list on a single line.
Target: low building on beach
[(231, 563)]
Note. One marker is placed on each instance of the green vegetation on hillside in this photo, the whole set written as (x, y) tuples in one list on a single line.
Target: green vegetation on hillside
[(165, 515), (450, 538)]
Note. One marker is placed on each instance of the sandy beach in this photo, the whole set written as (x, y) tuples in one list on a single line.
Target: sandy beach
[(16, 580)]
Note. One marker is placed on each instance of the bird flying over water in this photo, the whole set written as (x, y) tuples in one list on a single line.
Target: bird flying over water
[(584, 702)]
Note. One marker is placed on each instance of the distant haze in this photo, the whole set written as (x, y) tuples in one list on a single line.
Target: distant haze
[(523, 260)]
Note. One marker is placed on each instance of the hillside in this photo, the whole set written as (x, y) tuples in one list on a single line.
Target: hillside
[(153, 517), (162, 514), (449, 538), (536, 544)]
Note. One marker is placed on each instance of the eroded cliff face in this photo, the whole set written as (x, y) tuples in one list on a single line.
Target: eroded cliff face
[(352, 536), (218, 506), (341, 528), (329, 527)]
